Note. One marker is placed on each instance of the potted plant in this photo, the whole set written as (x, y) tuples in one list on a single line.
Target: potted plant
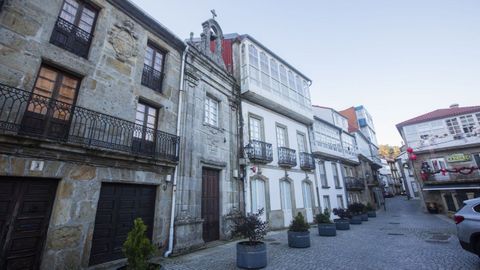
[(356, 210), (298, 233), (251, 253), (325, 226), (364, 214), (138, 248), (343, 222), (371, 211)]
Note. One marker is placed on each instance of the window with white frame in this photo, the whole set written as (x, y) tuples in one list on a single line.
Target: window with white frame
[(340, 201), (307, 194), (298, 84), (265, 76), (281, 136), (326, 202), (468, 123), (306, 91), (291, 85), (328, 137), (453, 126), (336, 179), (323, 174), (275, 77), (255, 128), (284, 80), (302, 143), (211, 111), (253, 60)]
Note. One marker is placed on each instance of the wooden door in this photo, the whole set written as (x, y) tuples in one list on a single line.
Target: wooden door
[(210, 205), (118, 206), (25, 208)]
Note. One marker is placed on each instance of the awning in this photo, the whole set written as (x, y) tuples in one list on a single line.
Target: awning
[(451, 187)]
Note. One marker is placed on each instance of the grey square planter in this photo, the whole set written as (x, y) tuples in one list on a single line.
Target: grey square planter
[(342, 224), (372, 214), (364, 217), (356, 220)]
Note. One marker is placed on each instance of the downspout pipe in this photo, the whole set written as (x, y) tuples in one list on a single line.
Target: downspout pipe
[(174, 188)]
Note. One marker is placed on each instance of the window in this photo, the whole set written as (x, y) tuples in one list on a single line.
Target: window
[(302, 143), (253, 59), (476, 208), (281, 136), (50, 106), (323, 174), (328, 137), (340, 201), (477, 159), (211, 111), (306, 92), (326, 202), (468, 123), (275, 76), (335, 175), (264, 71), (255, 128), (152, 74), (146, 121), (478, 118), (258, 195), (291, 84), (307, 195), (286, 195), (283, 80), (145, 129), (453, 126), (74, 26), (299, 87)]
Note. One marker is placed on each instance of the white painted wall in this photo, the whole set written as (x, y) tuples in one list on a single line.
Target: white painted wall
[(332, 192)]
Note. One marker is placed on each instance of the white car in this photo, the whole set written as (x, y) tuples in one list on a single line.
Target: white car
[(468, 225)]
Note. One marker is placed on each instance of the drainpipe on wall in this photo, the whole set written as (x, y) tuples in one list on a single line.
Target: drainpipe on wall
[(174, 188)]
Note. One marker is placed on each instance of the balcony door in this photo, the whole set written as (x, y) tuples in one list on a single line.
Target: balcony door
[(286, 202), (255, 128), (307, 200), (258, 197), (145, 129), (49, 109), (302, 143)]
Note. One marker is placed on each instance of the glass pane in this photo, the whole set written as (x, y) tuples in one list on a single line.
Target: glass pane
[(69, 10), (148, 56)]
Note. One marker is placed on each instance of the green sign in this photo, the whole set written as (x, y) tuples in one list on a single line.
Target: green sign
[(459, 158)]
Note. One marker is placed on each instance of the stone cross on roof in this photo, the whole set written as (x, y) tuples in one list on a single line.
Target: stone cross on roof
[(214, 14)]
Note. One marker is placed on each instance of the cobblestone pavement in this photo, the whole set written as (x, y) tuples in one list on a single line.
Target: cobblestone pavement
[(396, 239)]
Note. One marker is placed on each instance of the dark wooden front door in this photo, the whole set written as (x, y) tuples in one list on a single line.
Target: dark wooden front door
[(25, 208), (210, 205), (118, 206)]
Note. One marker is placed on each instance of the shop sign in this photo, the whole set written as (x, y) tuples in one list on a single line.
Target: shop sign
[(459, 158)]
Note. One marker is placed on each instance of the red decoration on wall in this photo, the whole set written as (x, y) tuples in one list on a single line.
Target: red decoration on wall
[(413, 157), (410, 150)]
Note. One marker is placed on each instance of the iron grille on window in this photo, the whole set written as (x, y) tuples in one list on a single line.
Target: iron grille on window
[(27, 114), (307, 162), (152, 78), (70, 37), (286, 157), (259, 151)]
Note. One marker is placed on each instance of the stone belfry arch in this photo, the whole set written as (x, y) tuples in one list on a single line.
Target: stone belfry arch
[(211, 41)]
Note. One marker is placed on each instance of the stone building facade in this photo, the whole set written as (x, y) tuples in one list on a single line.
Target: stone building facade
[(209, 187), (89, 94)]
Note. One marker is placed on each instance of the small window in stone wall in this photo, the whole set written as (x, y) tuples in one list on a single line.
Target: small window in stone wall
[(211, 111), (450, 202)]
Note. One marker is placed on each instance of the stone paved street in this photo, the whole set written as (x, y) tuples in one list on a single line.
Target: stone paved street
[(396, 239)]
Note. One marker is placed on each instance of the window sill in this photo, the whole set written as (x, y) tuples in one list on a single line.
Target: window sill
[(325, 187), (338, 187)]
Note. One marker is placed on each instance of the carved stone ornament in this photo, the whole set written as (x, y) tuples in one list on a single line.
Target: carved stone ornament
[(211, 41), (124, 40)]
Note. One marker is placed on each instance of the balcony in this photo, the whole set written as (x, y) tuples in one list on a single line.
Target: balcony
[(352, 183), (71, 38), (259, 152), (307, 162), (286, 157), (152, 78), (30, 115)]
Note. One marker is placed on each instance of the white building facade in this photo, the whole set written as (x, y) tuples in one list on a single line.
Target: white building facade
[(335, 152), (276, 114)]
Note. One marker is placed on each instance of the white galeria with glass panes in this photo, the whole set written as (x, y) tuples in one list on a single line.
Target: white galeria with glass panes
[(276, 110)]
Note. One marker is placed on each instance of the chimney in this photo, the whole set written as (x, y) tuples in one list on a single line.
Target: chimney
[(454, 105)]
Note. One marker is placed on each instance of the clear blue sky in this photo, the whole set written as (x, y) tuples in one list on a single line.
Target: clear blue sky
[(398, 58)]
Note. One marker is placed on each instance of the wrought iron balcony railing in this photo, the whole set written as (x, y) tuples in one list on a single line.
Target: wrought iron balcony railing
[(26, 114), (287, 157), (259, 152), (352, 183), (70, 37), (307, 162), (152, 78)]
